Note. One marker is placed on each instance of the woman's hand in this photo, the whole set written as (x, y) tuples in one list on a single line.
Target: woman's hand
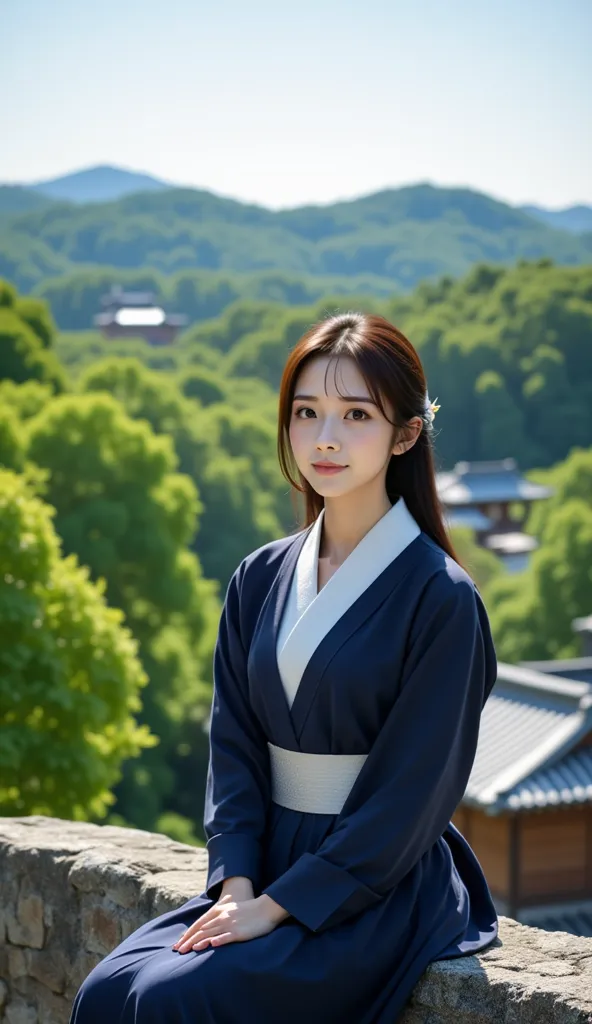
[(232, 921)]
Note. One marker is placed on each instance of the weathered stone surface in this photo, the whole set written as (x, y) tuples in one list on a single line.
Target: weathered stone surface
[(26, 926), (19, 1012), (50, 967), (70, 891), (47, 1003), (80, 968), (101, 930), (17, 962)]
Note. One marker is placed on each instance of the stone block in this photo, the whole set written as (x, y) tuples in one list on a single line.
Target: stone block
[(26, 927), (50, 967), (101, 930), (19, 1012), (17, 962), (79, 970)]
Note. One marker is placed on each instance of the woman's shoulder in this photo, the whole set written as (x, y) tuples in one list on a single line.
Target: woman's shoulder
[(442, 575), (262, 564)]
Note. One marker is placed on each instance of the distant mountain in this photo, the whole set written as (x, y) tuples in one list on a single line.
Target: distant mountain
[(98, 185), (575, 219), (393, 238), (18, 199)]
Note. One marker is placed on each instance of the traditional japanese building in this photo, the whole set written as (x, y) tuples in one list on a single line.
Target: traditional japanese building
[(137, 314), (480, 494), (527, 810)]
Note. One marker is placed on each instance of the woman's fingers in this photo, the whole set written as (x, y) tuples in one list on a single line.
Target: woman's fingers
[(208, 926), (214, 940), (207, 923)]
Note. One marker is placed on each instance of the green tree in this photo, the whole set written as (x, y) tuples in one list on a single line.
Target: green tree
[(125, 512), (26, 335), (12, 447), (36, 313), (500, 420), (532, 612), (228, 454), (570, 479), (26, 399), (203, 385), (70, 678)]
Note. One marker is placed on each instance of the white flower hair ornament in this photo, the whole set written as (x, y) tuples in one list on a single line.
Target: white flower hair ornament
[(430, 408)]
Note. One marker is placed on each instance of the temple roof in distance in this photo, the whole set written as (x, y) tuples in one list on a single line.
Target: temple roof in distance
[(140, 316), (469, 517), (471, 483)]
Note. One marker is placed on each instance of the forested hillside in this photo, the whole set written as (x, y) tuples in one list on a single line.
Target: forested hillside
[(508, 350), (399, 236)]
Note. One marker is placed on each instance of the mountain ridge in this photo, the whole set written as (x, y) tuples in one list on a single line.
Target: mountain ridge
[(98, 184), (107, 183), (402, 235)]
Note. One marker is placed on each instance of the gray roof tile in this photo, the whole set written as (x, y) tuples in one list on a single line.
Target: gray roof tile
[(472, 482), (525, 756)]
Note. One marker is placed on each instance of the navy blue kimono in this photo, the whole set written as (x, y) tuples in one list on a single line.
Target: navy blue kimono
[(390, 664)]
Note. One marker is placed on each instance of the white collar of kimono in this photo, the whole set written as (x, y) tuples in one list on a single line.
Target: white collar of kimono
[(310, 613)]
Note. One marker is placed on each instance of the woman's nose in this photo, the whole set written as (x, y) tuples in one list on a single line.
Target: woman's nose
[(327, 438)]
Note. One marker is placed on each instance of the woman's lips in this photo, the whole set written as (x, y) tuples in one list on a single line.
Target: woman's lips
[(327, 470)]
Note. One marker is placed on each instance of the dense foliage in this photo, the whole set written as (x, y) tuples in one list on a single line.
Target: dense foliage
[(70, 678), (509, 351), (396, 237), (532, 612)]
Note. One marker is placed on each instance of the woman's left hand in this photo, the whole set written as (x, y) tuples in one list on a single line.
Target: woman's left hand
[(232, 921)]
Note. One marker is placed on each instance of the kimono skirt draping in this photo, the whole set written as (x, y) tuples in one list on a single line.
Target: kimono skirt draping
[(384, 673)]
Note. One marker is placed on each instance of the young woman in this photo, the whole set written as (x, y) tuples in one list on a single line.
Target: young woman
[(352, 664)]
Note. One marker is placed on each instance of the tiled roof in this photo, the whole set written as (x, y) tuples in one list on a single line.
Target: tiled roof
[(569, 781), (473, 482), (525, 757), (139, 316), (511, 542), (569, 668), (470, 517), (577, 920)]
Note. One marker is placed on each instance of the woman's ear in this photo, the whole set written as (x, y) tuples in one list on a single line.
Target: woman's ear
[(408, 436)]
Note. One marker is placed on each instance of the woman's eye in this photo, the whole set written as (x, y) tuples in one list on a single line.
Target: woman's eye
[(305, 412)]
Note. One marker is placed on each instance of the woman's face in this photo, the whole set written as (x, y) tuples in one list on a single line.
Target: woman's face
[(350, 432)]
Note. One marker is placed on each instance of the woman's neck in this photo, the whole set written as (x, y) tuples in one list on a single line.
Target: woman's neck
[(346, 520)]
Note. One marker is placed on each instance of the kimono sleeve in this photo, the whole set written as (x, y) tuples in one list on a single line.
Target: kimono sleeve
[(237, 785), (417, 770)]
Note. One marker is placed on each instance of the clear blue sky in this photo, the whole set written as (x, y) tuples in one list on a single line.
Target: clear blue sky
[(304, 102)]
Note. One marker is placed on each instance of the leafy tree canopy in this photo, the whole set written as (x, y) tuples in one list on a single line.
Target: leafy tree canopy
[(70, 677)]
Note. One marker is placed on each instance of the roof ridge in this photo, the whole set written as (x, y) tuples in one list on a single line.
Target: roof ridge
[(551, 748), (575, 691)]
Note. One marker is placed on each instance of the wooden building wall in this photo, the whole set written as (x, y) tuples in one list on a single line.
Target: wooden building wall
[(555, 855), (489, 837), (553, 852)]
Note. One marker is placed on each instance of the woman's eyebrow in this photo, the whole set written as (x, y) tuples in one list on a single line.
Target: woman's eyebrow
[(344, 398)]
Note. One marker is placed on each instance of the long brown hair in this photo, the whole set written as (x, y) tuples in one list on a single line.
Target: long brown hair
[(393, 373)]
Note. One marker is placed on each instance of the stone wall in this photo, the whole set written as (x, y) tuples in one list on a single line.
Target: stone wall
[(69, 892)]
